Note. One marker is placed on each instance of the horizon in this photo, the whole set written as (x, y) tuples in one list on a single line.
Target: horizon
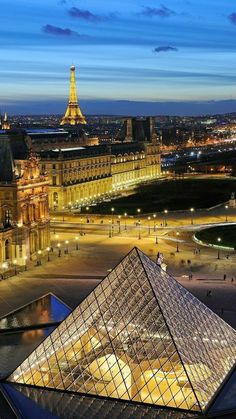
[(164, 52)]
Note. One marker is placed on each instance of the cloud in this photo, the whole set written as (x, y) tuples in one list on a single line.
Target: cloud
[(162, 11), (232, 18), (165, 48), (88, 16), (56, 30)]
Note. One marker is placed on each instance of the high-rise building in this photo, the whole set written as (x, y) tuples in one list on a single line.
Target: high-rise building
[(138, 130), (73, 115)]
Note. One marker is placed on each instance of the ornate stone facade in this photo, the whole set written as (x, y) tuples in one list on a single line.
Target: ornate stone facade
[(84, 176), (24, 212)]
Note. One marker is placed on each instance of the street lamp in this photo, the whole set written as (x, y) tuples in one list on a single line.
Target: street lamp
[(125, 215), (139, 223), (165, 222), (177, 242), (154, 222), (15, 265), (39, 262), (48, 250), (59, 249), (67, 248), (112, 220), (149, 227), (192, 211), (226, 215), (119, 219), (218, 254), (76, 243)]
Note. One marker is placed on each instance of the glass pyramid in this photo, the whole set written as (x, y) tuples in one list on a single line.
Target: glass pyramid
[(139, 336)]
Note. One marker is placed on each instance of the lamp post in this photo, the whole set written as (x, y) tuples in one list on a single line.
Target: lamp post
[(59, 249), (192, 211), (15, 266), (177, 242), (48, 250), (165, 222), (67, 248), (112, 220), (139, 223), (119, 220), (76, 243), (218, 253), (154, 222), (226, 215), (149, 227), (125, 215), (39, 262)]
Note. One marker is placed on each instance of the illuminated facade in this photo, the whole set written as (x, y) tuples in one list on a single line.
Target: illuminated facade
[(24, 216), (4, 123), (138, 337), (86, 175), (78, 176), (73, 115)]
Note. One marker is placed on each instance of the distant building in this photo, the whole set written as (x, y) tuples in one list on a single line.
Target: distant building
[(24, 212), (4, 124), (138, 129), (73, 115)]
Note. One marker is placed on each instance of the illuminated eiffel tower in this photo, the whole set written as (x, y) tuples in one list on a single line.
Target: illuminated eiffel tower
[(73, 115)]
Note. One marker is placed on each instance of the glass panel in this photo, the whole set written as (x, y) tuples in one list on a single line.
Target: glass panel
[(138, 336)]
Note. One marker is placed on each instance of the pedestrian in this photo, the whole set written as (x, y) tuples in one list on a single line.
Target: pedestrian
[(232, 280), (224, 277)]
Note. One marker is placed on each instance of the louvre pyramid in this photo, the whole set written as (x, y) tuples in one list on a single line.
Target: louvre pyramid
[(138, 336)]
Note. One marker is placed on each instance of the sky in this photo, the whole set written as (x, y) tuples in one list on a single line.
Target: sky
[(131, 56)]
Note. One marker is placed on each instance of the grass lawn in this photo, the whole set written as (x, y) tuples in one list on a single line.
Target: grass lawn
[(172, 195), (226, 233)]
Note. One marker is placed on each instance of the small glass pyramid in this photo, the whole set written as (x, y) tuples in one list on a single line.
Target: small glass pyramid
[(139, 336)]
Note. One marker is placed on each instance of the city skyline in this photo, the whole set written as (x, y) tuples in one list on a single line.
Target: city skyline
[(158, 58)]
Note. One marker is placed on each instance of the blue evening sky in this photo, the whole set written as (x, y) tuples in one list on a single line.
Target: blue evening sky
[(135, 50)]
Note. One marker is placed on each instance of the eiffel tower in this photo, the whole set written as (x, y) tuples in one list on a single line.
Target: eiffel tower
[(73, 115)]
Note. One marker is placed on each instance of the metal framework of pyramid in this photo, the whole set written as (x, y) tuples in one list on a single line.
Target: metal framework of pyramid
[(138, 336)]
